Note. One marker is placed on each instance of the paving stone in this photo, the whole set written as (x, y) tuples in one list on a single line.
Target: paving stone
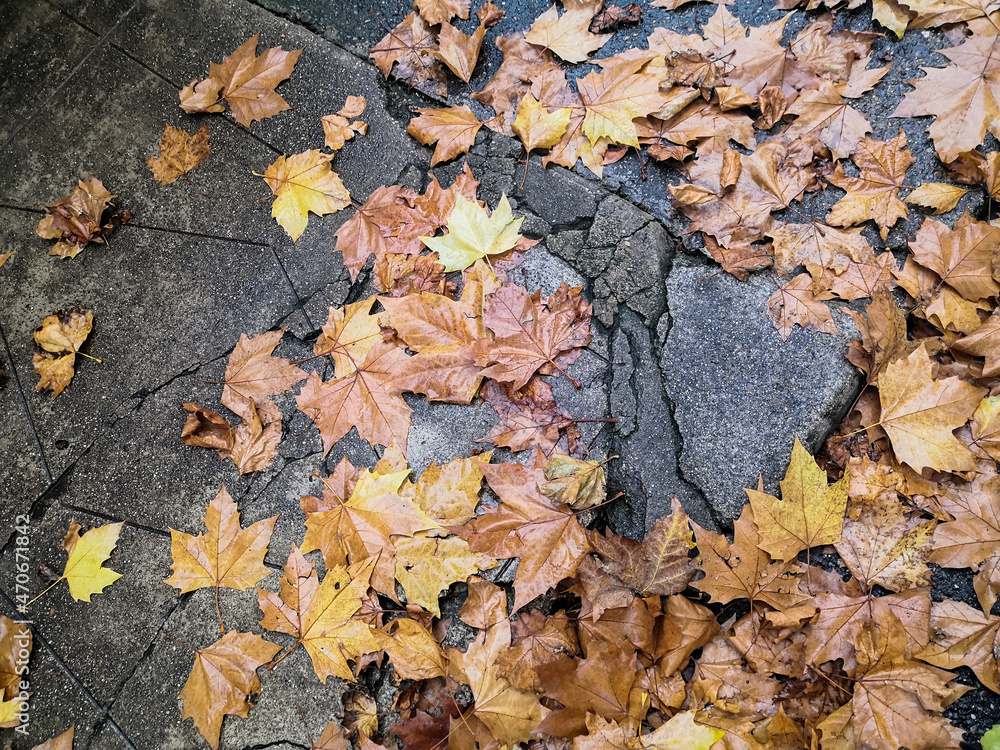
[(148, 708), (38, 50), (644, 437), (99, 16), (442, 432), (162, 303), (741, 395), (560, 197), (57, 701), (100, 641), (160, 34)]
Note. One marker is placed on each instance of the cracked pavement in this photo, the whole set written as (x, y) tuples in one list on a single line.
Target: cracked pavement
[(705, 395)]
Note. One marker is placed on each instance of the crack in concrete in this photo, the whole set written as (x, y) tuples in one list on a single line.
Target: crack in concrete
[(24, 404)]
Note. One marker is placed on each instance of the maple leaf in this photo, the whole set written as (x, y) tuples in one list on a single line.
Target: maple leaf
[(348, 336), (365, 399), (529, 417), (206, 429), (302, 183), (681, 733), (63, 741), (618, 94), (860, 280), (393, 219), (883, 335), (920, 413), (817, 246), (983, 342), (426, 566), (939, 196), (453, 129), (332, 738), (963, 637), (599, 684), (881, 545), (337, 129), (319, 615), (873, 194), (522, 63), (253, 375), (961, 256), (962, 96), (722, 678), (974, 534), (622, 568), (509, 714), (226, 556), (939, 303), (443, 333), (412, 44), (414, 653), (57, 342), (537, 127), (568, 35), (538, 640), (474, 234), (579, 484), (254, 445), (532, 335), (179, 153), (742, 570), (223, 678), (460, 51), (398, 275), (614, 16), (810, 512), (824, 113), (84, 571), (361, 527), (545, 535), (244, 80), (449, 493), (76, 219), (442, 11), (796, 303), (898, 702)]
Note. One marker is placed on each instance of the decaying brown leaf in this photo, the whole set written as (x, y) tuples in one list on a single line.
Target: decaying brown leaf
[(57, 342), (77, 219), (179, 153)]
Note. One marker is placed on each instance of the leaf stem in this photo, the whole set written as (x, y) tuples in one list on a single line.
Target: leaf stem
[(44, 592), (98, 361)]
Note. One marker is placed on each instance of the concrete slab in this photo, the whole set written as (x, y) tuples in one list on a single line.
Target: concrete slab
[(163, 303), (148, 708), (740, 393), (100, 641)]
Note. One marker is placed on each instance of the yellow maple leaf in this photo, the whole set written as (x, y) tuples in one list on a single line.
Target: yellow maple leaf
[(474, 234), (810, 513), (537, 127), (426, 566), (303, 183), (681, 733), (87, 553)]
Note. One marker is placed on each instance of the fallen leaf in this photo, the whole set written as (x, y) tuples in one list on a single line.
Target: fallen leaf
[(681, 733), (414, 653), (567, 35), (579, 484), (614, 16), (919, 414), (795, 303), (254, 445), (302, 183), (337, 129), (963, 637), (453, 129), (206, 429), (961, 255), (537, 127), (817, 246), (319, 615), (412, 44), (473, 233), (874, 193), (244, 80), (442, 11), (179, 153), (226, 556), (529, 417), (63, 742), (984, 342), (460, 51), (809, 514), (223, 678), (253, 375), (939, 196), (823, 112), (537, 640), (449, 493), (57, 341), (426, 566), (84, 571), (76, 219), (545, 535)]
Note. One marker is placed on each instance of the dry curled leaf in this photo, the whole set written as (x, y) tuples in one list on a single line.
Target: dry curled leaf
[(77, 219), (57, 341)]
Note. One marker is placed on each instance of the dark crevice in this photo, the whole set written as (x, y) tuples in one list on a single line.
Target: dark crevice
[(299, 302), (12, 375), (97, 45), (113, 519), (203, 235)]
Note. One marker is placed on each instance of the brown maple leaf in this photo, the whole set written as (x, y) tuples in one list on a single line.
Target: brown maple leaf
[(76, 219), (873, 195), (522, 63), (179, 153), (227, 555), (253, 375), (824, 113), (568, 35), (883, 335), (397, 275), (453, 129), (222, 680), (538, 640), (412, 45), (251, 446), (796, 303), (244, 80), (614, 16), (460, 51), (532, 335), (319, 615), (529, 417), (545, 535), (442, 11), (964, 637), (961, 256)]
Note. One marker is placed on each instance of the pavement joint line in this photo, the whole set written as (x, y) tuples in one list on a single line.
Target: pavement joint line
[(24, 405), (300, 304), (114, 519), (188, 233), (100, 43)]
